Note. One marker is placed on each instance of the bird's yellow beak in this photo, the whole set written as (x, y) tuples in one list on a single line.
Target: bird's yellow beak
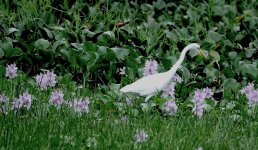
[(203, 54)]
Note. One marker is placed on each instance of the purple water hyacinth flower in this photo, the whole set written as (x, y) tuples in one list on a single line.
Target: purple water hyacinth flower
[(169, 90), (47, 79), (122, 71), (207, 92), (170, 107), (56, 98), (81, 105), (11, 71), (140, 136), (251, 94), (3, 98), (177, 78), (41, 81), (151, 67), (247, 89), (252, 98), (199, 96), (26, 100), (198, 100), (198, 109), (17, 104), (51, 76)]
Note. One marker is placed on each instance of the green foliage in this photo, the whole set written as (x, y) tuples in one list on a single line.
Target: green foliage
[(86, 43)]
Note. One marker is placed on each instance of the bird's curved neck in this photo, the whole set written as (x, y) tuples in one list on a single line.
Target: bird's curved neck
[(179, 61)]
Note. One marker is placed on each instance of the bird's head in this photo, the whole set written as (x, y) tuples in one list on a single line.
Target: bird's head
[(195, 46)]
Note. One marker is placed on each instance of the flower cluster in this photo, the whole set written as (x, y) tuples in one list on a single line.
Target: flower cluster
[(3, 98), (24, 100), (198, 100), (150, 68), (170, 107), (140, 136), (251, 94), (177, 78), (56, 98), (3, 101), (11, 71), (169, 90), (81, 105), (46, 79)]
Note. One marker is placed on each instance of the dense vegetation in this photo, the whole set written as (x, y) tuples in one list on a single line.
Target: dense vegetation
[(85, 45)]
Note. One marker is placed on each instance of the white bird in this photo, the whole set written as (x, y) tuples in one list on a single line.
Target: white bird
[(150, 85)]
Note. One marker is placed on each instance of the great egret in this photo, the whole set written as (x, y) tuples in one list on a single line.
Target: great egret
[(152, 84)]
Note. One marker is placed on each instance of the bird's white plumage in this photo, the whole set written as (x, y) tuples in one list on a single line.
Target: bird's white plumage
[(152, 84)]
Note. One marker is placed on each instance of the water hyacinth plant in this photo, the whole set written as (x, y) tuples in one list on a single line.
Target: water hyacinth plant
[(251, 93), (141, 136), (198, 100), (46, 79), (170, 107), (24, 100), (11, 71), (56, 98), (80, 105), (151, 67)]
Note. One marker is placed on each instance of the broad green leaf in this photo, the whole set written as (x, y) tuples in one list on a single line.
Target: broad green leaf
[(102, 50), (109, 33), (233, 55), (77, 46), (249, 69), (214, 36), (11, 30), (166, 63), (131, 73), (249, 52), (41, 44), (211, 73), (207, 44), (49, 34), (121, 53), (93, 58), (13, 52), (186, 74), (131, 62), (160, 4), (231, 84), (228, 72), (7, 45), (57, 44), (110, 56), (215, 55), (66, 54), (114, 87), (89, 46), (218, 11)]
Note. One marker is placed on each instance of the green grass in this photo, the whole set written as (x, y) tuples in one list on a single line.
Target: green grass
[(61, 129), (46, 127)]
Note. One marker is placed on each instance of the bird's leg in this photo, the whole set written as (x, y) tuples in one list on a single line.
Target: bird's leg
[(148, 97)]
